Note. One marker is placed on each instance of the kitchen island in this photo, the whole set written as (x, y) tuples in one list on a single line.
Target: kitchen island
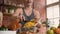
[(7, 32)]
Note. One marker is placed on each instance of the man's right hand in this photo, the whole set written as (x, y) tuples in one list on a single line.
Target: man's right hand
[(22, 18)]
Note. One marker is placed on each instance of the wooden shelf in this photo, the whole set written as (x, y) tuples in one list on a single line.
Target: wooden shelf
[(5, 5)]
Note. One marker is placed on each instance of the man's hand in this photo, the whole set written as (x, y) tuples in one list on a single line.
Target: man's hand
[(22, 18)]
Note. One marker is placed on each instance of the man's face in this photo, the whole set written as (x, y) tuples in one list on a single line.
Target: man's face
[(29, 2)]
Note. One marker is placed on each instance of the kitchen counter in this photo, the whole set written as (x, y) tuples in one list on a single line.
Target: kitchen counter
[(7, 32)]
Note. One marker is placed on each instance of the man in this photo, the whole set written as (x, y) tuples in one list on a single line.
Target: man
[(27, 13)]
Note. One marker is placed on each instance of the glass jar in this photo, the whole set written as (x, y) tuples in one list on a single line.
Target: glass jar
[(11, 11)]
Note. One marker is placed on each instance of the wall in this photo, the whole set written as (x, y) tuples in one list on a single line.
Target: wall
[(40, 6)]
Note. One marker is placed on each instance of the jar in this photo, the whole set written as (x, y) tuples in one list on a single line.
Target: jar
[(11, 11)]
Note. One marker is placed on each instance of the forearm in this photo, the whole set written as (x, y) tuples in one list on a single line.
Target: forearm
[(1, 19), (38, 21)]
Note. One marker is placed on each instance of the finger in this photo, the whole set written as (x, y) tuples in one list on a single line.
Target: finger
[(24, 18), (21, 17)]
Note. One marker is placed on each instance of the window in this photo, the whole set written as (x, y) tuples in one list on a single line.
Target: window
[(51, 1), (53, 13)]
